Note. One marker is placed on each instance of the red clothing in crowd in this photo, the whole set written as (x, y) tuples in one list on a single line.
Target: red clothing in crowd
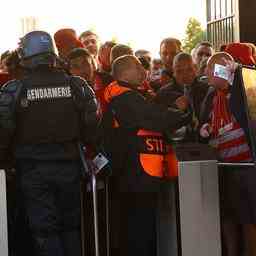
[(241, 53), (145, 88), (228, 137), (102, 80), (4, 78)]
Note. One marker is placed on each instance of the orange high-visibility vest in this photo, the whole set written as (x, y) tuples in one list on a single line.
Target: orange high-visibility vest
[(156, 157)]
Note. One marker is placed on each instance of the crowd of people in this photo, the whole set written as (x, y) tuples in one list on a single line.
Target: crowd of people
[(143, 106)]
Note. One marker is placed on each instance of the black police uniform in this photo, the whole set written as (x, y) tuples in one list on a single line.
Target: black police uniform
[(42, 118)]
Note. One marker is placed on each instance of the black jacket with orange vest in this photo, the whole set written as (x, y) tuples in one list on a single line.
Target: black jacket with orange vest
[(134, 138)]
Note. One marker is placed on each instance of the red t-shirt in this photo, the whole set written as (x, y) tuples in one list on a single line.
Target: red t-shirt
[(102, 80)]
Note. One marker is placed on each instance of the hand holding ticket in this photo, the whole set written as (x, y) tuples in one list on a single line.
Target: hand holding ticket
[(226, 72), (221, 71)]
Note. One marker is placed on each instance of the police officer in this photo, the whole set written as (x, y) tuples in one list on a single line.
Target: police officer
[(42, 119)]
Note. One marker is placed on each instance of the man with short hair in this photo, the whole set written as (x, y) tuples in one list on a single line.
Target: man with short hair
[(144, 54), (169, 48), (91, 42), (132, 123), (184, 90), (203, 50), (81, 64)]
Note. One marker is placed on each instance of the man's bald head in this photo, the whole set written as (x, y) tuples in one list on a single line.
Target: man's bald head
[(122, 63), (219, 60), (120, 50), (128, 68)]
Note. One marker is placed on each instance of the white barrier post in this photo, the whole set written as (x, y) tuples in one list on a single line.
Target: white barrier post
[(199, 208), (3, 216)]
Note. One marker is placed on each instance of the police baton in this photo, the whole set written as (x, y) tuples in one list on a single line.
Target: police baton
[(92, 175)]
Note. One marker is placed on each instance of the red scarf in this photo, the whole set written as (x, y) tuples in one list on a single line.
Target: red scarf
[(221, 115), (227, 135)]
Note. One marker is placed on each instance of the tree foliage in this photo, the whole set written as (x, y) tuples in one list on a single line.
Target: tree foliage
[(194, 35)]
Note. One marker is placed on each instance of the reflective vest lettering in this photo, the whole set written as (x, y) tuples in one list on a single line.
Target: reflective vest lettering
[(155, 145), (36, 94), (156, 158)]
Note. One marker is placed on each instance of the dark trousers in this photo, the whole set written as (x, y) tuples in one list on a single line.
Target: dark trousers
[(238, 194), (138, 224), (51, 197)]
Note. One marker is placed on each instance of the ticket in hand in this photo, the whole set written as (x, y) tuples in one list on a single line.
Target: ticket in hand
[(221, 71), (100, 161)]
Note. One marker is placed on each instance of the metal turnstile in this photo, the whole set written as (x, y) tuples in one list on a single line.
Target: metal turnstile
[(193, 226), (3, 216)]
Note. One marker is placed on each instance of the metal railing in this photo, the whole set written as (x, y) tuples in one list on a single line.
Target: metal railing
[(237, 164), (221, 31)]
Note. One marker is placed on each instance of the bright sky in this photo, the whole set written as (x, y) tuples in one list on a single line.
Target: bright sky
[(143, 23)]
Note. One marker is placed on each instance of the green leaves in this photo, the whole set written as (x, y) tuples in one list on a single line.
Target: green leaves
[(194, 35)]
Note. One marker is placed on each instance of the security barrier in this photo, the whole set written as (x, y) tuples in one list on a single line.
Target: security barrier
[(3, 216), (199, 208), (196, 213)]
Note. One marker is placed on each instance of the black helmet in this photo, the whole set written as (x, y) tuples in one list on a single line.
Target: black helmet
[(35, 46)]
